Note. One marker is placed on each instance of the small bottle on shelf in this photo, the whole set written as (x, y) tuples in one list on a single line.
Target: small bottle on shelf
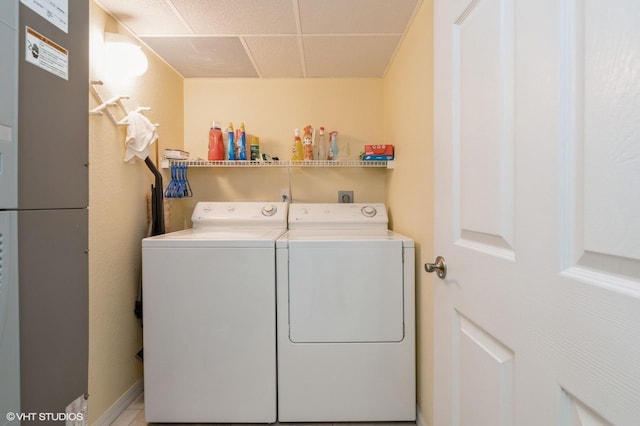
[(322, 146), (333, 146), (307, 143), (255, 149), (296, 152)]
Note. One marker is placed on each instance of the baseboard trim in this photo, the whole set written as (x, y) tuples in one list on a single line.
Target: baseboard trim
[(120, 405), (420, 420)]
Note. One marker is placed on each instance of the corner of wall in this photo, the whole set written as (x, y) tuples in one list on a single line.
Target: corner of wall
[(118, 218), (408, 124)]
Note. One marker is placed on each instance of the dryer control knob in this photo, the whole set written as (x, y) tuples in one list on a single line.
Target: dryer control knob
[(269, 210), (369, 211)]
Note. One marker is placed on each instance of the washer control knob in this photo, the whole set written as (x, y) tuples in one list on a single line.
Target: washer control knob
[(269, 210), (369, 211)]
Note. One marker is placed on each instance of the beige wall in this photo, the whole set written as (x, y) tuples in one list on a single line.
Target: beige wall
[(118, 219), (272, 109), (408, 122), (396, 109)]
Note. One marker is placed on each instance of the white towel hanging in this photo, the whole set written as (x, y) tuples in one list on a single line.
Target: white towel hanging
[(141, 133)]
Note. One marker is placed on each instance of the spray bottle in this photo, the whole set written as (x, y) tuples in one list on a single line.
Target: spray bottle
[(216, 143), (333, 146), (231, 148), (242, 143)]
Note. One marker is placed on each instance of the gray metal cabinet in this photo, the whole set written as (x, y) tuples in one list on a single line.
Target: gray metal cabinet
[(8, 104), (54, 322), (44, 188), (53, 127), (8, 12)]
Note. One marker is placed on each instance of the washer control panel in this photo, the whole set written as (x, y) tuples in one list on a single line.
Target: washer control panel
[(369, 211), (338, 216)]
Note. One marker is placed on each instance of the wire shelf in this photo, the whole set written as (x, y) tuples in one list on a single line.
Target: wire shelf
[(166, 163)]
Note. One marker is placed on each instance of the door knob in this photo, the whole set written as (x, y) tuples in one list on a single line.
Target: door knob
[(440, 267)]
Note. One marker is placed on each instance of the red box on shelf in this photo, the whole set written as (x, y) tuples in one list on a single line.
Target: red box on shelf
[(378, 152)]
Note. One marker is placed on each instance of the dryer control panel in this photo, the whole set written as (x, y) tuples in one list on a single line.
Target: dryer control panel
[(338, 216)]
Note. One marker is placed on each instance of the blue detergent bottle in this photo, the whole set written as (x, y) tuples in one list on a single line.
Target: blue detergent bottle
[(242, 143), (231, 147)]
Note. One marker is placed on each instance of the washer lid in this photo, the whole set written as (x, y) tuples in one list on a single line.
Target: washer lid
[(338, 216), (218, 237), (240, 215)]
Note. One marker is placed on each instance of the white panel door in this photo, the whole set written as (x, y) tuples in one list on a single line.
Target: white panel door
[(537, 147)]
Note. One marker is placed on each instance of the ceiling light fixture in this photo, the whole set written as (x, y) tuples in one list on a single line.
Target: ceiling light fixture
[(123, 57)]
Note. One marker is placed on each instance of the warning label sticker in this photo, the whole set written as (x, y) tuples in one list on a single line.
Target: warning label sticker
[(46, 54)]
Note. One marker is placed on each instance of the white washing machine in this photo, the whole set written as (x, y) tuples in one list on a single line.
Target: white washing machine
[(346, 316), (209, 316)]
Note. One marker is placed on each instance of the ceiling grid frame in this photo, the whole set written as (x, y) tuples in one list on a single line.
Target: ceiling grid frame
[(270, 38)]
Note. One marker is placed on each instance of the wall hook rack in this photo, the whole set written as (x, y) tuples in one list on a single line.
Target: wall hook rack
[(116, 101)]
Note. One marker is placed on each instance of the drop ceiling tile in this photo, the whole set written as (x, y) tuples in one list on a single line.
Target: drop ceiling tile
[(230, 17), (196, 57), (342, 38), (348, 56), (136, 16), (276, 56), (355, 16)]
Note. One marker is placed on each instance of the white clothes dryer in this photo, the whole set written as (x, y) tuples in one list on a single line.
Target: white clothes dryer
[(346, 316), (209, 316)]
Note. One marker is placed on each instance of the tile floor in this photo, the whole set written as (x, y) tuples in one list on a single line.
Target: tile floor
[(134, 416)]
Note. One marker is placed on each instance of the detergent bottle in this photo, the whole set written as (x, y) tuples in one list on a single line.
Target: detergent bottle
[(216, 143), (241, 140), (231, 147), (307, 143)]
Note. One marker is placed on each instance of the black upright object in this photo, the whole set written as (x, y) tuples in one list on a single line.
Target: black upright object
[(157, 203), (157, 225)]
